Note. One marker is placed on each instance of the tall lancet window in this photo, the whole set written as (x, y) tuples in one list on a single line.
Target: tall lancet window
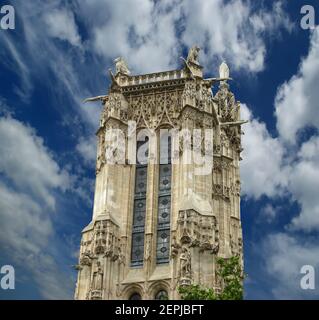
[(137, 253), (164, 200)]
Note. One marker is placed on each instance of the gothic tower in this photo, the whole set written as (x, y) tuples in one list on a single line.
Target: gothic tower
[(158, 225)]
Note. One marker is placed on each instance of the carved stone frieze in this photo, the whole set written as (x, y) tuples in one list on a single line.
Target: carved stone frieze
[(154, 109), (197, 230), (86, 258), (222, 163), (228, 108), (104, 241)]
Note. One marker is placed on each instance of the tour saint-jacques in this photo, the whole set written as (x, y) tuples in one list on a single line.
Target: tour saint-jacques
[(158, 225)]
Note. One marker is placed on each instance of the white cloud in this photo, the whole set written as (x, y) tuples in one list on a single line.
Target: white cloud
[(272, 167), (30, 178), (262, 171), (269, 212), (296, 109), (24, 227), (267, 170), (34, 54), (87, 148), (25, 233), (232, 30), (61, 24), (5, 109), (284, 255), (151, 37), (12, 56), (304, 186), (27, 162), (297, 100), (145, 37)]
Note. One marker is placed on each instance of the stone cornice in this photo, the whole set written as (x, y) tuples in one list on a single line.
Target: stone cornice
[(153, 86)]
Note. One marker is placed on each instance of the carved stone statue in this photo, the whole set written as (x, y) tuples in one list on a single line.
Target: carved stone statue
[(193, 55), (121, 66), (148, 249), (186, 263), (121, 251), (223, 71), (174, 247), (98, 278), (86, 258)]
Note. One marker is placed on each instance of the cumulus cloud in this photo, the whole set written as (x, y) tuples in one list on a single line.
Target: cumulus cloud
[(293, 172), (266, 171), (269, 212), (61, 24), (36, 52), (304, 185), (151, 35), (154, 33), (146, 36), (232, 30), (269, 167), (262, 171), (284, 256), (27, 162), (296, 102), (87, 148), (30, 178)]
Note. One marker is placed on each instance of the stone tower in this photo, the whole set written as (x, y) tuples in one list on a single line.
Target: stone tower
[(159, 224)]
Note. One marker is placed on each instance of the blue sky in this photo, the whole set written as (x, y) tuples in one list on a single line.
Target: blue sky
[(59, 54)]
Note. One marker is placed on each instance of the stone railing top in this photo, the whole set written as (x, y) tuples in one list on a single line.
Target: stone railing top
[(152, 77)]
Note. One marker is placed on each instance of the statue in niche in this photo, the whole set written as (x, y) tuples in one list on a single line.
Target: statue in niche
[(174, 247), (121, 66), (148, 249), (121, 251), (185, 259), (98, 278), (193, 55)]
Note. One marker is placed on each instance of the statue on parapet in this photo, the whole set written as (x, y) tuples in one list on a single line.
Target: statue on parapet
[(193, 55), (121, 66), (224, 71)]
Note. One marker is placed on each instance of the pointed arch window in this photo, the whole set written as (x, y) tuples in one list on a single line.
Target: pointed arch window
[(164, 200), (139, 209)]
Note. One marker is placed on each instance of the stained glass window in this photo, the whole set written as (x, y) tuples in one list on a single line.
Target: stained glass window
[(164, 201), (137, 253)]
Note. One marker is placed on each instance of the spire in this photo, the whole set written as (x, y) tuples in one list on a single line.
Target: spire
[(224, 71)]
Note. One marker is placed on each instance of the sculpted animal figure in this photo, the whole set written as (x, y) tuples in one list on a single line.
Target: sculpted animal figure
[(121, 66), (193, 55)]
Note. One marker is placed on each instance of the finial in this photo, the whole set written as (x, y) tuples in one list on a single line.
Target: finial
[(224, 71)]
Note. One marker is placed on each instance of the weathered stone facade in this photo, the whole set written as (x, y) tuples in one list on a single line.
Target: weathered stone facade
[(204, 209)]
